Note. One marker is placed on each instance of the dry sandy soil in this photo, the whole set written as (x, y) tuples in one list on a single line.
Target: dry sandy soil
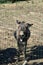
[(31, 12)]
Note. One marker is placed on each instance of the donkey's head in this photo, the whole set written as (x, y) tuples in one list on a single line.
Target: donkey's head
[(23, 30)]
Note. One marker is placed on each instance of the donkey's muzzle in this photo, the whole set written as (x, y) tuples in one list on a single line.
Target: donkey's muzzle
[(21, 33)]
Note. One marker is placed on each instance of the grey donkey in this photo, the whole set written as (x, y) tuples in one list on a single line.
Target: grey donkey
[(22, 34)]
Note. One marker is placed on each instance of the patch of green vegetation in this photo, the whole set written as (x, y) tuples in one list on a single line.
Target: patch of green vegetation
[(12, 1), (4, 1)]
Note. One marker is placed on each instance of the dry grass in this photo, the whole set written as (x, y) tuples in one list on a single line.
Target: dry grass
[(23, 11)]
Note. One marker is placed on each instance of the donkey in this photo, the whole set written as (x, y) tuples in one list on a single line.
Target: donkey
[(22, 34)]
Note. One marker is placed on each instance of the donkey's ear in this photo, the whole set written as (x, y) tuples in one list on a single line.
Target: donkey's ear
[(29, 25), (18, 22)]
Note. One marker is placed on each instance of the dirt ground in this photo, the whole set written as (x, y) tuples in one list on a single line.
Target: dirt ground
[(31, 12)]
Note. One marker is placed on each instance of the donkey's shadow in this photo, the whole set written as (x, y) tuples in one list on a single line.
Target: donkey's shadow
[(8, 55), (36, 53)]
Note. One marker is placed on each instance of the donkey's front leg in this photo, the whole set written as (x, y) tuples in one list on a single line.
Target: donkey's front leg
[(25, 50), (18, 51)]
